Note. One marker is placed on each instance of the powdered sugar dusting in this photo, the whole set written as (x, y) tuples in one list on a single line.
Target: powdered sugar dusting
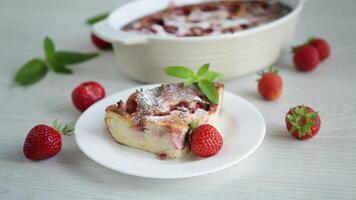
[(159, 101), (210, 18)]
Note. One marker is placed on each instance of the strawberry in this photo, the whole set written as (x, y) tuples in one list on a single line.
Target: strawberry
[(98, 42), (206, 141), (303, 122), (43, 142), (322, 46), (270, 84), (306, 58), (86, 94)]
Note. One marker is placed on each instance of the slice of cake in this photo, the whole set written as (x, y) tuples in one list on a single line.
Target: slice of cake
[(158, 120)]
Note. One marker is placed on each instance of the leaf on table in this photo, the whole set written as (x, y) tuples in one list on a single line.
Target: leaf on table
[(59, 67), (49, 48), (30, 73), (69, 57), (97, 18)]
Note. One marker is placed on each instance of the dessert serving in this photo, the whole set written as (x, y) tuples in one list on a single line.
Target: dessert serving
[(160, 119), (210, 18)]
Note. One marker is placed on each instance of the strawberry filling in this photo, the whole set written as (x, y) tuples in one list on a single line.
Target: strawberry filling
[(203, 19), (177, 138), (162, 101), (121, 107), (162, 156), (138, 127), (131, 106)]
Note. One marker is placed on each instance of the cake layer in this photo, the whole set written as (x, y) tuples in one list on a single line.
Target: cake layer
[(155, 141)]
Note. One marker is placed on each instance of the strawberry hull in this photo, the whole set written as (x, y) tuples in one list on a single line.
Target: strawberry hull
[(302, 121)]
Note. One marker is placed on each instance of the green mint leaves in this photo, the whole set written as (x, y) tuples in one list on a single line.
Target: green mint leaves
[(179, 72), (50, 55), (97, 18), (70, 57), (33, 71), (36, 69), (204, 79)]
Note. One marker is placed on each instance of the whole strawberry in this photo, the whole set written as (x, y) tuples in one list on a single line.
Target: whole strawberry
[(99, 43), (206, 141), (270, 84), (86, 94), (303, 122), (43, 142), (322, 46), (306, 58)]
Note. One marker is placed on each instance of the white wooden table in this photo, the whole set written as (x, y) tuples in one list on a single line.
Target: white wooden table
[(282, 168)]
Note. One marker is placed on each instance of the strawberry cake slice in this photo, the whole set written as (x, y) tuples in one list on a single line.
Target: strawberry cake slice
[(158, 120)]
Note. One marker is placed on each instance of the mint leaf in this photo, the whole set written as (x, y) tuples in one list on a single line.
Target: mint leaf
[(97, 18), (49, 48), (68, 57), (179, 72), (37, 68), (189, 81), (202, 70), (31, 72), (209, 89), (59, 67), (53, 62), (212, 76), (204, 78)]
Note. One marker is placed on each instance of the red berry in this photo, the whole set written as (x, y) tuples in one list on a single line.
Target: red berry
[(86, 94), (101, 44), (270, 85), (306, 58), (42, 142), (206, 141), (303, 122), (323, 48)]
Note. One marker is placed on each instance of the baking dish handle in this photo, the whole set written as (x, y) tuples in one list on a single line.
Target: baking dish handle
[(107, 33)]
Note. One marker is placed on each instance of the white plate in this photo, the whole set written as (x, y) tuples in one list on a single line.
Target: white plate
[(240, 123)]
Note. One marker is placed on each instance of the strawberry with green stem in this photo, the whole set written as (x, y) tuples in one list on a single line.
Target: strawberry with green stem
[(270, 84), (205, 140), (204, 79), (43, 142), (303, 122)]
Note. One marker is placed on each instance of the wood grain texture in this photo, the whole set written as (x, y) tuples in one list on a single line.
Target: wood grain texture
[(282, 168)]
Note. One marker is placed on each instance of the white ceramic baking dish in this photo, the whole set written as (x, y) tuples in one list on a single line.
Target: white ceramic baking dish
[(143, 57)]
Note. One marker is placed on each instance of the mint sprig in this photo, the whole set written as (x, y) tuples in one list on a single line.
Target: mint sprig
[(31, 72), (37, 68), (203, 78), (97, 18), (50, 55)]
